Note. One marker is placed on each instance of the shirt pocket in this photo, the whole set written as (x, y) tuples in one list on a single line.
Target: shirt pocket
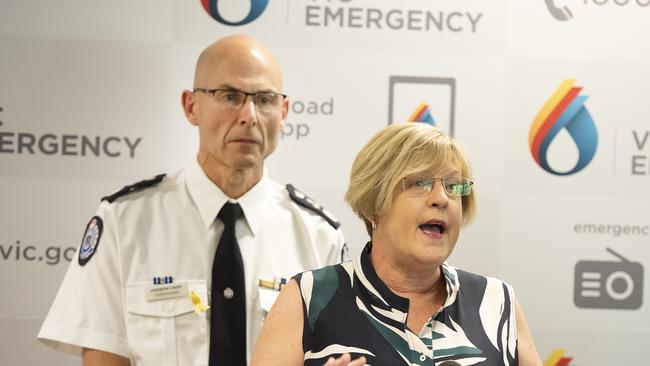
[(267, 298), (168, 331)]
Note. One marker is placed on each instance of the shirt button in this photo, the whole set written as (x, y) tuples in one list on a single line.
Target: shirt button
[(228, 293), (423, 357)]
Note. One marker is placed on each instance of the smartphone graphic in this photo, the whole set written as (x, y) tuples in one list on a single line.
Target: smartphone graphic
[(422, 99)]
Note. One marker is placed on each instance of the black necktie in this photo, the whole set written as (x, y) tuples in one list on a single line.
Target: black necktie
[(228, 317)]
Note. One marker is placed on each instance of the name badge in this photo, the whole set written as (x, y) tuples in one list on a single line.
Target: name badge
[(166, 291)]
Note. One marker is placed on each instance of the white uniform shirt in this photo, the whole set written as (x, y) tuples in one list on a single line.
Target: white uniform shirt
[(172, 229)]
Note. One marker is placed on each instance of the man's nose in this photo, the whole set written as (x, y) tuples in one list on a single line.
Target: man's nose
[(248, 111)]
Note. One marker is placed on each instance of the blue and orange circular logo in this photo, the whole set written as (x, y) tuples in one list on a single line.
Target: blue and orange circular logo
[(257, 8), (564, 109)]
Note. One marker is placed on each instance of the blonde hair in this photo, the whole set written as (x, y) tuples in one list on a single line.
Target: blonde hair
[(394, 153)]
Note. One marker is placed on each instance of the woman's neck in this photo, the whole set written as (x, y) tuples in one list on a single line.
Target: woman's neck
[(425, 289), (407, 281)]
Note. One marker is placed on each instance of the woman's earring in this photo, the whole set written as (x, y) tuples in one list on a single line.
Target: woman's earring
[(374, 224)]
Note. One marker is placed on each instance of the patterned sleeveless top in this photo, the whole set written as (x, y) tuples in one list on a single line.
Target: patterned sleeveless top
[(347, 308)]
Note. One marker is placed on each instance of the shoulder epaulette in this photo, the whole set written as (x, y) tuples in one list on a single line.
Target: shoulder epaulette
[(135, 187), (308, 203)]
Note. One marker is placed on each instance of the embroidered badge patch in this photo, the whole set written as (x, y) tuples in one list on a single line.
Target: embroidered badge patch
[(90, 240)]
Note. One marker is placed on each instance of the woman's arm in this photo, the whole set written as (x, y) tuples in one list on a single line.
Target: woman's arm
[(280, 341), (528, 355)]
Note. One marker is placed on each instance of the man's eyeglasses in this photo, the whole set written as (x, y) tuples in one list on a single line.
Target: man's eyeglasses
[(233, 99), (454, 186)]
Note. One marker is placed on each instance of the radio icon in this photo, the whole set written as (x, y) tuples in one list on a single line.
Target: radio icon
[(608, 284)]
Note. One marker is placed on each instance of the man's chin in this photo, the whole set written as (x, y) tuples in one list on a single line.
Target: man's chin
[(247, 162)]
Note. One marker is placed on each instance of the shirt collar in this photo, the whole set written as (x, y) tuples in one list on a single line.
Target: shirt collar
[(380, 293), (209, 198)]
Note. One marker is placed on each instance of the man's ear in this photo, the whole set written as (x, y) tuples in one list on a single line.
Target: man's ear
[(285, 112), (190, 106)]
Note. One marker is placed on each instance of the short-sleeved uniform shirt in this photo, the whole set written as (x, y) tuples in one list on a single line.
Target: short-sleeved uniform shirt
[(169, 233), (347, 308)]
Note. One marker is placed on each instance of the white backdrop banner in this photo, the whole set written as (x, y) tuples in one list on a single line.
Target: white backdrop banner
[(549, 97)]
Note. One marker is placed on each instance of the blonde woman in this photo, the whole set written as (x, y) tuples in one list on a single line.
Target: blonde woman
[(399, 302)]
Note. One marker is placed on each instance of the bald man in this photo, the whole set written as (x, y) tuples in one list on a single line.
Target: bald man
[(182, 269)]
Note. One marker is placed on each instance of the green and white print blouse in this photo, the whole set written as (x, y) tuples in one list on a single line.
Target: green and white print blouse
[(347, 308)]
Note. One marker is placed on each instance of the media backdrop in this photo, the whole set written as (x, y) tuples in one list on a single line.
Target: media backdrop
[(550, 98)]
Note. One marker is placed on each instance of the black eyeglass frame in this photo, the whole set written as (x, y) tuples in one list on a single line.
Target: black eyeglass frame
[(247, 94)]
